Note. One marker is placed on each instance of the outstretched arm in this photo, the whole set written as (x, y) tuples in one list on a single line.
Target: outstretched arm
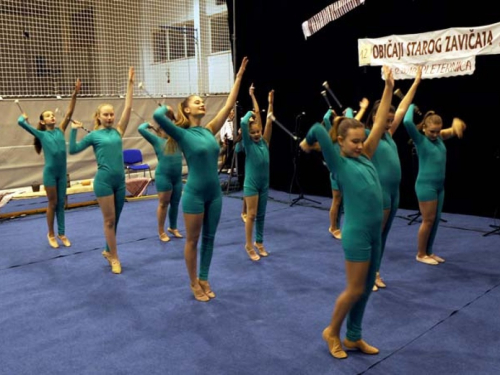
[(363, 106), (268, 131), (71, 107), (245, 132), (124, 119), (327, 119), (74, 146), (378, 129), (23, 123), (456, 130), (143, 130), (405, 103), (412, 130), (217, 122), (161, 117), (255, 105), (318, 134)]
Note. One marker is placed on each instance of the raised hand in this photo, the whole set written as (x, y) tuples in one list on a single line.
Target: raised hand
[(389, 79), (458, 127), (78, 85), (270, 97), (243, 66), (364, 103), (251, 91), (76, 124)]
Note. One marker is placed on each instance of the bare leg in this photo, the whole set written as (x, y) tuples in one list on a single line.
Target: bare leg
[(161, 213), (356, 274), (428, 210), (334, 214), (108, 210), (251, 203), (244, 211), (193, 224)]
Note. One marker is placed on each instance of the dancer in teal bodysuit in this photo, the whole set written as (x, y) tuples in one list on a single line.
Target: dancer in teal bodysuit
[(429, 186), (202, 197), (386, 161), (51, 139), (109, 181), (239, 148), (168, 180), (336, 207), (256, 185), (361, 234)]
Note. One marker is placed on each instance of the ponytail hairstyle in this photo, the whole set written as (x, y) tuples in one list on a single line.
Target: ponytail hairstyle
[(429, 118), (95, 118), (373, 113), (40, 126), (181, 121), (341, 125)]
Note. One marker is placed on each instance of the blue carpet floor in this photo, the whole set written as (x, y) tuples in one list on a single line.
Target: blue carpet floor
[(63, 312)]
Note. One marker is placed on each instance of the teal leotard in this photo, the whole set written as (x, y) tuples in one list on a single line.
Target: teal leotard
[(256, 174), (431, 170), (168, 172), (110, 176), (386, 161), (202, 192), (362, 196), (54, 171)]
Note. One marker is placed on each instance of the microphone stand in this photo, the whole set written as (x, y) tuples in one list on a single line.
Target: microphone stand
[(295, 178)]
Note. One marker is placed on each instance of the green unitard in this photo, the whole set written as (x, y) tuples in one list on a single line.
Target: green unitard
[(54, 171), (168, 172), (110, 176), (202, 192), (386, 161), (363, 214), (429, 185), (256, 174)]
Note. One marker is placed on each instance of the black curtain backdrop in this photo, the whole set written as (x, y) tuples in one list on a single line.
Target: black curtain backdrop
[(280, 58)]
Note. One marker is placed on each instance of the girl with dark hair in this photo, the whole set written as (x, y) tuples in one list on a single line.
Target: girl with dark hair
[(50, 139)]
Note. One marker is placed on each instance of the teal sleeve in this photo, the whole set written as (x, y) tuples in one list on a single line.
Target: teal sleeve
[(76, 147), (349, 113), (410, 125), (327, 121), (245, 133), (151, 138), (331, 154), (160, 116), (24, 124)]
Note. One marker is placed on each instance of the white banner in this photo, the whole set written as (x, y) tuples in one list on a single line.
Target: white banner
[(442, 45), (435, 69), (327, 15)]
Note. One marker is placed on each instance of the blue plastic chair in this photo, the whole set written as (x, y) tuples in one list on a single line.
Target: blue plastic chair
[(132, 159)]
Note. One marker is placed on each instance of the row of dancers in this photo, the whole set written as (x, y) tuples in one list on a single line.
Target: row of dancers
[(364, 169)]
